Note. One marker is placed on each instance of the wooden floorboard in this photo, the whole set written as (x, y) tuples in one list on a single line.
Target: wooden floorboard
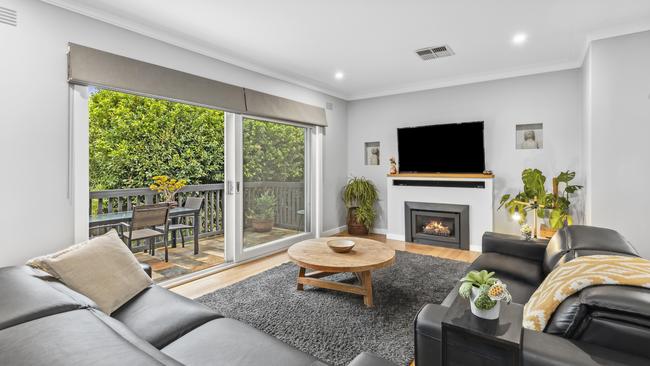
[(229, 276)]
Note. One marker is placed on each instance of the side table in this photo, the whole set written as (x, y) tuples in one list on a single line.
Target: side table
[(470, 340)]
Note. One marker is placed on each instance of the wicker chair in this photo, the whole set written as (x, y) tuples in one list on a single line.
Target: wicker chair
[(148, 222)]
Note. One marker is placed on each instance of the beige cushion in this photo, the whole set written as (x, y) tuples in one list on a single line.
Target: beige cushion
[(102, 268)]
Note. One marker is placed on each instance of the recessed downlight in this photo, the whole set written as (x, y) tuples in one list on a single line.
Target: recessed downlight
[(519, 38), (339, 75)]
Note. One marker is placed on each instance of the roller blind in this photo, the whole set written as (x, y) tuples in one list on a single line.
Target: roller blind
[(88, 66), (270, 106)]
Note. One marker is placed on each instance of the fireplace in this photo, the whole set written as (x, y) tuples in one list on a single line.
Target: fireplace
[(437, 224)]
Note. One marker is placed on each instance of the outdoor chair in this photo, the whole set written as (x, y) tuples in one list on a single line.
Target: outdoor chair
[(193, 203), (144, 224)]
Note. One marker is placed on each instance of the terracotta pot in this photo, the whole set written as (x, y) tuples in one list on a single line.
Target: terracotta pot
[(172, 204), (490, 314), (354, 226), (262, 226)]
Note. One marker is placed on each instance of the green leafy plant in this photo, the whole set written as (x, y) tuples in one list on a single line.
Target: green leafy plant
[(360, 194), (263, 207), (490, 289), (554, 205)]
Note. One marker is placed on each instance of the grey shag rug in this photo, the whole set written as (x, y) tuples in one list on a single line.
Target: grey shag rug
[(335, 326)]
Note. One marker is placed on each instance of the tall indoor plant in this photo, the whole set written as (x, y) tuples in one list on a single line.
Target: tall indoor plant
[(360, 196), (554, 205)]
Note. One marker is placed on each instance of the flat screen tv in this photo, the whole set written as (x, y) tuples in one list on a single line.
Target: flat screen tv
[(446, 148)]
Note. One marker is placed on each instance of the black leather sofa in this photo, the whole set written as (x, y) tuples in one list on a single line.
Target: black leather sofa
[(43, 322), (600, 325)]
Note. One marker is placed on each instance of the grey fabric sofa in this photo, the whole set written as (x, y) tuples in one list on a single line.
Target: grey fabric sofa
[(600, 325), (43, 322)]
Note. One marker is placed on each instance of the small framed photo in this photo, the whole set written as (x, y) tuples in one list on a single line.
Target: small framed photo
[(372, 153), (529, 136)]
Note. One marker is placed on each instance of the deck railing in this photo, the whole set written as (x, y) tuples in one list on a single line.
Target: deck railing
[(289, 212)]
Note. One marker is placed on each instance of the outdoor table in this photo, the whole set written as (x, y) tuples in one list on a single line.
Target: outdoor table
[(113, 218)]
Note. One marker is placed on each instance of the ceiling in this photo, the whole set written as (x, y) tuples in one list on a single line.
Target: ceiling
[(373, 41)]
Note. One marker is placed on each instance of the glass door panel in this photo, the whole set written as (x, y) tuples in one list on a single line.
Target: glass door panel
[(274, 189)]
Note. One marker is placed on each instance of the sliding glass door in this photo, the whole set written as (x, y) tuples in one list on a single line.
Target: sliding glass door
[(275, 170)]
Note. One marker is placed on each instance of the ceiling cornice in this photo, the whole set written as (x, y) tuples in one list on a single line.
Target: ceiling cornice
[(193, 46), (464, 80)]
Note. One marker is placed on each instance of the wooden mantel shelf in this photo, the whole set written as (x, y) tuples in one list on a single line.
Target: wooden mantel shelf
[(441, 175)]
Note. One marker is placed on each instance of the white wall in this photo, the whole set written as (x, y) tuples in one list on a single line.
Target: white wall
[(618, 126), (553, 99), (37, 212)]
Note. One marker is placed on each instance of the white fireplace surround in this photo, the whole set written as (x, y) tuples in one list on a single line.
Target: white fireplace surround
[(479, 201)]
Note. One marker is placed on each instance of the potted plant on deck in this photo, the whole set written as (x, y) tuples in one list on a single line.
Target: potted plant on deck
[(360, 196), (262, 212), (485, 293), (168, 187)]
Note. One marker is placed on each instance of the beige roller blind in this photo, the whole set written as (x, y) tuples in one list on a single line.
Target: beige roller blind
[(266, 105), (88, 66)]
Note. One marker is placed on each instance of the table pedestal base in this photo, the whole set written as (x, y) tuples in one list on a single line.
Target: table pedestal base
[(314, 279)]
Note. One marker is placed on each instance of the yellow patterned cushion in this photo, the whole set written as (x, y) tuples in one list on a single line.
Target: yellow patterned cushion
[(571, 277)]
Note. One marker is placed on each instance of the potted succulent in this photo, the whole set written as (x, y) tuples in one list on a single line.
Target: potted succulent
[(168, 187), (485, 293), (360, 196), (262, 212), (553, 206)]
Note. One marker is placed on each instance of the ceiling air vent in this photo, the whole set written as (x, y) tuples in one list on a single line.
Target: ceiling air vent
[(429, 53), (8, 16)]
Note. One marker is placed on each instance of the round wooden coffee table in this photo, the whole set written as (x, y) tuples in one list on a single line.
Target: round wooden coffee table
[(314, 254)]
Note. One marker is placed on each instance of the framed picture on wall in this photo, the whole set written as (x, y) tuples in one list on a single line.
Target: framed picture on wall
[(371, 155), (529, 136)]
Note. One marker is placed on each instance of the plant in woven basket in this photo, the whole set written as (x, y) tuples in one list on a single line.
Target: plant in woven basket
[(484, 292), (360, 196), (167, 186)]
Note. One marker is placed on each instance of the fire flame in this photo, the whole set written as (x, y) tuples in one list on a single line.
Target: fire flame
[(436, 228)]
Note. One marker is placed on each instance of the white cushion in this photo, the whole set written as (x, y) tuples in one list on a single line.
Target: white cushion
[(102, 268)]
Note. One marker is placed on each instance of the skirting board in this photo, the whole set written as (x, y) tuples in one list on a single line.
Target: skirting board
[(334, 231)]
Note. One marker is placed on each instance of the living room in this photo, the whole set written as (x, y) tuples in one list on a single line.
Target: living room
[(231, 149)]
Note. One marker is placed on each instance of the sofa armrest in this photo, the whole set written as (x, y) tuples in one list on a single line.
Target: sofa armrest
[(428, 334), (515, 246)]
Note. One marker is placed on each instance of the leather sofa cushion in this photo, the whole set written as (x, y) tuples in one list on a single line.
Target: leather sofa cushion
[(78, 337), (577, 240), (541, 349), (27, 294), (160, 316), (231, 342), (523, 270)]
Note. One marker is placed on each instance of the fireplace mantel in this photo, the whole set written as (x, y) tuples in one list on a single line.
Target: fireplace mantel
[(474, 190)]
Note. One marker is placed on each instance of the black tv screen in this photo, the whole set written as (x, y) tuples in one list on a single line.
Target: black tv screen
[(447, 148)]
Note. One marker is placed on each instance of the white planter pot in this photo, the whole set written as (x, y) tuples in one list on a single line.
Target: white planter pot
[(485, 314)]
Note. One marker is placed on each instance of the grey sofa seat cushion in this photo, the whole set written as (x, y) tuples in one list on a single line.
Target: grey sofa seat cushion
[(78, 337), (27, 294), (230, 342), (160, 316)]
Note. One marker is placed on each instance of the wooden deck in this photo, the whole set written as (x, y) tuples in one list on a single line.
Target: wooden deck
[(182, 260)]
